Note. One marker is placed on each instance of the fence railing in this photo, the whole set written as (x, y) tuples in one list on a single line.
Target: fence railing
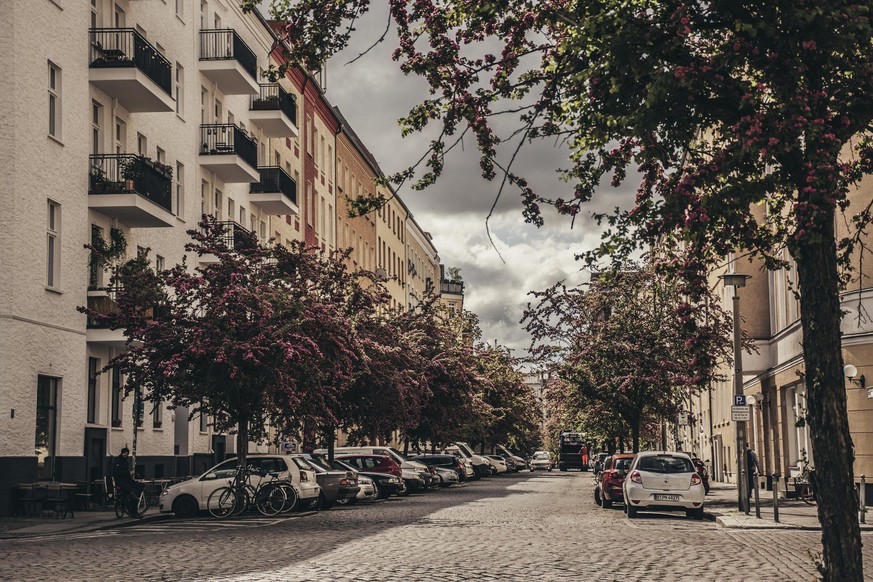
[(226, 44), (125, 47), (227, 138), (275, 179), (273, 97), (456, 287), (236, 236), (131, 174)]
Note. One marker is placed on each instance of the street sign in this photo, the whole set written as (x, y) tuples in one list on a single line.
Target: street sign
[(683, 419), (740, 413), (739, 399), (289, 446)]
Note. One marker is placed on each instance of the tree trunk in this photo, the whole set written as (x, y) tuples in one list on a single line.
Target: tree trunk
[(330, 434), (242, 441), (826, 407), (635, 434)]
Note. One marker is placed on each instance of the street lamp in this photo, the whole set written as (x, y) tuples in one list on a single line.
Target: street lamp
[(736, 281)]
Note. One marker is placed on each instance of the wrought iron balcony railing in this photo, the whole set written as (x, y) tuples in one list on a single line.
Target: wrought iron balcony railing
[(226, 44), (125, 47), (273, 97), (131, 174), (227, 138), (450, 286), (275, 179)]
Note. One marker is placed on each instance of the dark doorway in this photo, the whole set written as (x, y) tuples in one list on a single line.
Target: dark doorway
[(219, 447), (95, 453)]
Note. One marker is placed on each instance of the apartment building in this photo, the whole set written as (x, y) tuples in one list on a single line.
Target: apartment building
[(422, 264), (773, 374), (134, 118)]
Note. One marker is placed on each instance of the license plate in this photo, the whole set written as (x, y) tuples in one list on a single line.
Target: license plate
[(666, 498)]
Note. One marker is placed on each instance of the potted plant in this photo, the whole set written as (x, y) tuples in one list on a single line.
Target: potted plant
[(98, 179), (130, 172)]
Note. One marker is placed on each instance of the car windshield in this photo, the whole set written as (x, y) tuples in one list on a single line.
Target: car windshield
[(541, 456), (340, 466), (622, 464), (319, 463), (302, 463), (666, 464)]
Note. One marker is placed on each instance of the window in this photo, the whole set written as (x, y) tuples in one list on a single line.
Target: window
[(263, 230), (96, 123), (253, 223), (93, 368), (310, 209), (204, 98), (160, 156), (218, 109), (46, 425), (116, 397), (142, 252), (158, 415), (309, 135), (217, 206), (95, 273), (160, 263), (53, 245), (204, 198), (94, 14), (180, 189), (54, 100), (142, 144), (231, 211), (204, 13), (180, 84), (120, 136), (204, 422), (242, 215)]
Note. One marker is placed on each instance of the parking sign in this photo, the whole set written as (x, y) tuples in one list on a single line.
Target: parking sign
[(739, 399)]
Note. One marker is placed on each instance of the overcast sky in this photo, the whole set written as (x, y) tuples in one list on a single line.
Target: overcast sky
[(373, 94)]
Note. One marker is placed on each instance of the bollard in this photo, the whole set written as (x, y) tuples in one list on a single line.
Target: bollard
[(776, 497), (757, 499), (862, 505)]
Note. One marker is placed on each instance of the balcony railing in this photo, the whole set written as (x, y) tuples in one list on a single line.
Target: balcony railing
[(450, 286), (275, 179), (272, 97), (131, 174), (225, 44), (236, 236), (222, 139), (103, 301), (125, 47)]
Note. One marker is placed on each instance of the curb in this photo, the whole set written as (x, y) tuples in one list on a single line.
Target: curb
[(87, 528)]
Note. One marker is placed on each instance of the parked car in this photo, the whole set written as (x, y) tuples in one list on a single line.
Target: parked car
[(469, 471), (541, 460), (447, 477), (607, 489), (366, 481), (480, 464), (663, 481), (445, 462), (417, 475), (519, 462), (380, 464), (335, 485), (701, 470), (498, 462), (185, 499)]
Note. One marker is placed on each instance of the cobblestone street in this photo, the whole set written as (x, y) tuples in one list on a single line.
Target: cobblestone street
[(543, 526)]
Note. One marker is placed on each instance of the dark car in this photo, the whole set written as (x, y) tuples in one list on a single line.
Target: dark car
[(335, 485), (607, 489), (596, 463), (444, 461), (704, 474), (385, 484)]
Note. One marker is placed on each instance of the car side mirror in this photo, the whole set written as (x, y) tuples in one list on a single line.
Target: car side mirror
[(210, 476)]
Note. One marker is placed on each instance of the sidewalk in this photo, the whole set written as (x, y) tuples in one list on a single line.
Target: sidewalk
[(85, 521), (721, 507)]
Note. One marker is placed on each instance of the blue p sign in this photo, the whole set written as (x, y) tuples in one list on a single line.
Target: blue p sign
[(739, 399)]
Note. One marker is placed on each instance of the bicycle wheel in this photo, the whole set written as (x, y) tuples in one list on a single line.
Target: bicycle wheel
[(120, 508), (270, 500), (222, 502), (143, 505), (290, 497), (245, 499)]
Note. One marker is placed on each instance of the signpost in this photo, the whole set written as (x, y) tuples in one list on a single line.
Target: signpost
[(740, 413)]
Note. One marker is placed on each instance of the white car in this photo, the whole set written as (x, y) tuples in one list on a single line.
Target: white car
[(185, 499), (469, 471), (504, 452), (480, 463), (498, 462), (663, 481), (541, 460), (416, 475)]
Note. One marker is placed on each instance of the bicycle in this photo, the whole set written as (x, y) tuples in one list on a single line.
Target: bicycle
[(269, 497), (805, 491), (122, 503)]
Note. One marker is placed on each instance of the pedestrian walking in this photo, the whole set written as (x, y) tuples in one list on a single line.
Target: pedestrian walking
[(753, 467)]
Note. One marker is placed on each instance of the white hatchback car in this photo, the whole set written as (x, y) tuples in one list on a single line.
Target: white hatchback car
[(185, 499), (663, 481)]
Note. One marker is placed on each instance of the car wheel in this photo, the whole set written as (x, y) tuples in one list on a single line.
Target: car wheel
[(605, 503), (323, 502), (376, 493), (631, 511), (597, 496), (694, 513), (185, 506)]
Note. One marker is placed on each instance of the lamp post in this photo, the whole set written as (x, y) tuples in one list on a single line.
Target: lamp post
[(736, 281)]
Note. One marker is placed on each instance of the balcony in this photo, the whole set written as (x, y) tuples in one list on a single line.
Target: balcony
[(229, 153), (451, 287), (274, 111), (133, 189), (102, 300), (228, 61), (275, 193), (123, 64), (235, 237)]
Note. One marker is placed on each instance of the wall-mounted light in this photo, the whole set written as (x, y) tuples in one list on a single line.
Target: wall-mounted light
[(851, 371)]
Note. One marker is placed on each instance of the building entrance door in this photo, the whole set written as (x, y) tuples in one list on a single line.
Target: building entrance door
[(95, 453), (219, 447)]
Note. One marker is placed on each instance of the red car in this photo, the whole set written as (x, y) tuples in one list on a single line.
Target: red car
[(373, 464), (607, 490)]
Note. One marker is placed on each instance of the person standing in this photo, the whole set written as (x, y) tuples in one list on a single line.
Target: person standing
[(753, 467), (126, 485)]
